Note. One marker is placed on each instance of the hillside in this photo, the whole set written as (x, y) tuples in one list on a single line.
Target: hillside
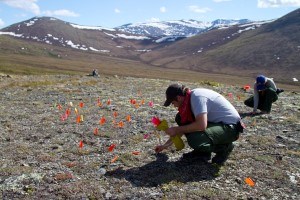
[(272, 48), (46, 155), (98, 40), (235, 51)]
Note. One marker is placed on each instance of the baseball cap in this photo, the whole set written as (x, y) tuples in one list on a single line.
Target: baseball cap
[(260, 82), (172, 92)]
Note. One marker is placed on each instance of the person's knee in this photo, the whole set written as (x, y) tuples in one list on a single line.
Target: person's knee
[(249, 102), (204, 147), (199, 141)]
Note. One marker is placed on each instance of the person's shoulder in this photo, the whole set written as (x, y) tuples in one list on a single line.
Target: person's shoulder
[(270, 81), (200, 89), (204, 92)]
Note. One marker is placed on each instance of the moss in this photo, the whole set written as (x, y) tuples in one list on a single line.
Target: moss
[(265, 158)]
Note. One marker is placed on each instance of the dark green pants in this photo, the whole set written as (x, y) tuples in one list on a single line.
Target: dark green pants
[(266, 98), (217, 137)]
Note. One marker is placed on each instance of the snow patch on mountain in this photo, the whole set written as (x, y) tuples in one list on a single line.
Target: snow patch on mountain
[(177, 27), (91, 27), (158, 32), (131, 37)]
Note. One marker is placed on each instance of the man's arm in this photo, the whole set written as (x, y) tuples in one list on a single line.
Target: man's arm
[(255, 98), (167, 144), (199, 124)]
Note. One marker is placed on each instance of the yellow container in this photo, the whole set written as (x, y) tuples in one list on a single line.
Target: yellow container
[(178, 142)]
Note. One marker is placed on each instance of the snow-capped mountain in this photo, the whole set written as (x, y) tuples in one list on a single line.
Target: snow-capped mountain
[(131, 38), (221, 46), (182, 28)]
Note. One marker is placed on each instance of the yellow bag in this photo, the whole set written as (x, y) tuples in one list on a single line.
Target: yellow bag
[(178, 142), (163, 125)]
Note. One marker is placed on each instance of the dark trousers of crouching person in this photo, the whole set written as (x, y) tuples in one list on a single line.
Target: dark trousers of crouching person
[(266, 98), (217, 138)]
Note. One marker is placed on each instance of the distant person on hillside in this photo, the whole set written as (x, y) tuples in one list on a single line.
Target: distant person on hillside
[(95, 72), (265, 93), (209, 122)]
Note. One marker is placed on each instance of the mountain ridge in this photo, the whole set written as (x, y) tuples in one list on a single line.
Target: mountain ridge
[(184, 28), (269, 47)]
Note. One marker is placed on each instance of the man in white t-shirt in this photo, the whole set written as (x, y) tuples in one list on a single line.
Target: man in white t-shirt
[(209, 122)]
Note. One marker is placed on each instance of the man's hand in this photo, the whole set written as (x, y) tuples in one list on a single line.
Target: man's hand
[(159, 148), (171, 131)]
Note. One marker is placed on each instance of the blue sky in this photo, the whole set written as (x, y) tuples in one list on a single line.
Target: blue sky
[(113, 13)]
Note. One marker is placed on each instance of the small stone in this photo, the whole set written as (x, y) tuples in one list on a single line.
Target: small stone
[(238, 180), (102, 171), (108, 195)]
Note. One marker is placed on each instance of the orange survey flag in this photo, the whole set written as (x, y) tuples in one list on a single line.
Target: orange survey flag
[(68, 112), (96, 131), (247, 87), (135, 152), (115, 114), (102, 121), (121, 124), (99, 103), (111, 147), (114, 159), (81, 104), (249, 181), (150, 103), (156, 121), (59, 107), (80, 144), (78, 119), (128, 118), (132, 101)]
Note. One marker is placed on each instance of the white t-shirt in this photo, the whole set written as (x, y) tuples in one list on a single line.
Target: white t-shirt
[(218, 108)]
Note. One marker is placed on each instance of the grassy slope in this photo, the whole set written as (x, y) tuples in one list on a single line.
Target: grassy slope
[(19, 57)]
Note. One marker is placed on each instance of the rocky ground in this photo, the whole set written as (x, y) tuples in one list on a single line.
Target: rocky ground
[(48, 152)]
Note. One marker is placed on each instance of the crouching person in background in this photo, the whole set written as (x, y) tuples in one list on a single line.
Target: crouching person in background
[(265, 93)]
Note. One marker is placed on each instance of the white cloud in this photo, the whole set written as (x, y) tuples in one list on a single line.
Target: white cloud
[(117, 10), (63, 12), (198, 9), (28, 5), (31, 6), (1, 22), (163, 9), (277, 3)]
